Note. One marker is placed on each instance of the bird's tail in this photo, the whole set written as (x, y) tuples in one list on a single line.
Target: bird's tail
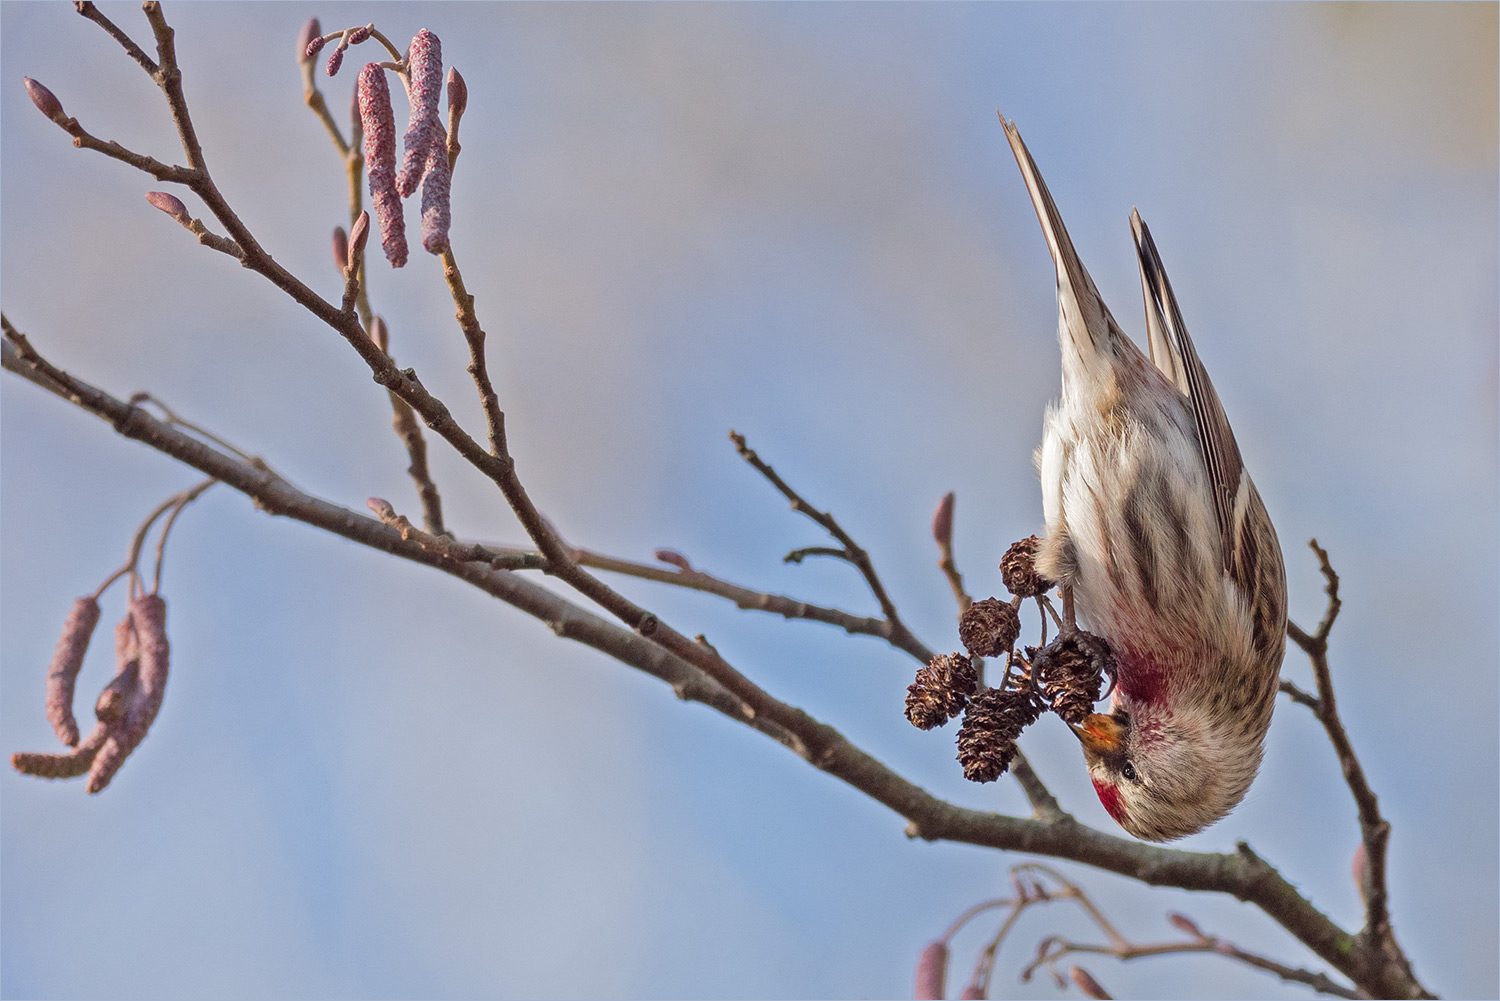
[(1087, 322)]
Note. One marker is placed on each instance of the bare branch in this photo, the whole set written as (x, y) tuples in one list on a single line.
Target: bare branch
[(1375, 830), (1242, 874), (133, 50), (852, 552)]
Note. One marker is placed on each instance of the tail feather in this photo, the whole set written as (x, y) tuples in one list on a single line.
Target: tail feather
[(1088, 322)]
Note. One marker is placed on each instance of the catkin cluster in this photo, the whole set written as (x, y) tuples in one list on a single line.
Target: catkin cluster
[(126, 707), (427, 146)]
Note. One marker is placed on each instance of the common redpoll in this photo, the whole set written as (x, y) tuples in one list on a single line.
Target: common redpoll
[(1157, 534)]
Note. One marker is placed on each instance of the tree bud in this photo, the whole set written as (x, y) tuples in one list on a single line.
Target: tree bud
[(171, 205), (46, 102), (311, 32)]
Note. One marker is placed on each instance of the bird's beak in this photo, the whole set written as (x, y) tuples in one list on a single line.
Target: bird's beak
[(1101, 734)]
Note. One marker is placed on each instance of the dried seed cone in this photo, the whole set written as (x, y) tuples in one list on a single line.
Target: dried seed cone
[(1018, 569), (940, 691), (67, 660), (989, 628), (1070, 670), (987, 739)]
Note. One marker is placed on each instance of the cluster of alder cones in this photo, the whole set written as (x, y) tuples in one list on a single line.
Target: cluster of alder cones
[(1064, 675)]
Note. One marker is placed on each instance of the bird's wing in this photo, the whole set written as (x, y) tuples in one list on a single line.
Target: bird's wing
[(1090, 321), (1159, 340), (1216, 444)]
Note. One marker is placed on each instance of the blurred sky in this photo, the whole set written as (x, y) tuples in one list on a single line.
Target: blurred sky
[(801, 222)]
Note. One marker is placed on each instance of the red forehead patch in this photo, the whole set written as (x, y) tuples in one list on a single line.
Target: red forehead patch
[(1110, 796)]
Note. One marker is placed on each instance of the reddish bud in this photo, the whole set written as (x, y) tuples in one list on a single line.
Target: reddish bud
[(458, 95), (1359, 867), (336, 57), (673, 557), (1088, 984), (380, 160), (170, 204), (67, 661), (380, 335), (46, 102), (340, 249), (311, 33), (359, 34), (314, 47), (932, 970), (359, 233), (1185, 924), (942, 521)]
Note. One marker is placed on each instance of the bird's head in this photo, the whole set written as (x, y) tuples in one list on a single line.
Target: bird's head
[(1163, 775)]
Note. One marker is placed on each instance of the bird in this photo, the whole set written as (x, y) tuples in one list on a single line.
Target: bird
[(1161, 545)]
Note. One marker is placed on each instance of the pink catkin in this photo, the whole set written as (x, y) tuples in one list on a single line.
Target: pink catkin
[(424, 129), (148, 614), (436, 190), (932, 969), (67, 660), (61, 766), (380, 160)]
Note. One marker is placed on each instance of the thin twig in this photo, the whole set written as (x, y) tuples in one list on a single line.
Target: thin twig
[(182, 501), (687, 576), (133, 50), (1055, 947), (852, 551), (1375, 830), (468, 322)]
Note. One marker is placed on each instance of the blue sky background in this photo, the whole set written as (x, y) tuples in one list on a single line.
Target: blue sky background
[(803, 223)]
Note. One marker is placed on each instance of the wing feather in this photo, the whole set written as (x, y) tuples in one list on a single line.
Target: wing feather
[(1216, 444)]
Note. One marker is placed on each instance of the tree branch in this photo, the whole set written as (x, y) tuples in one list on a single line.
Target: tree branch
[(1375, 830), (1241, 874), (851, 551)]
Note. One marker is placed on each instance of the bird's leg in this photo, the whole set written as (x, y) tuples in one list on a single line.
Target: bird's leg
[(1069, 626)]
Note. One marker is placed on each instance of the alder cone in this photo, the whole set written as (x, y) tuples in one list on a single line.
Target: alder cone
[(1070, 671), (989, 628), (987, 739), (940, 691), (1018, 569)]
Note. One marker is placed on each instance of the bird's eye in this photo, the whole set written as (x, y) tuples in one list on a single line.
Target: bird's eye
[(1128, 772)]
